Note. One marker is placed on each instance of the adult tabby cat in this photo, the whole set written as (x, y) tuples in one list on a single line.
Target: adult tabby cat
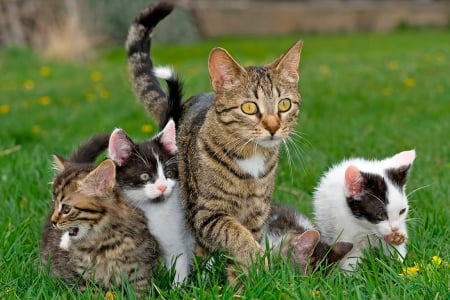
[(292, 234), (108, 240), (228, 140)]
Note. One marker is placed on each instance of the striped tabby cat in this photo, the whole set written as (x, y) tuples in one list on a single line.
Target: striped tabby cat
[(96, 235), (228, 140)]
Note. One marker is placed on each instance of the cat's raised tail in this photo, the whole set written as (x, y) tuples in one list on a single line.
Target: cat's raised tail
[(161, 106)]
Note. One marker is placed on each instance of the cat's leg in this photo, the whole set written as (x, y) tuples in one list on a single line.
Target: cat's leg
[(352, 259)]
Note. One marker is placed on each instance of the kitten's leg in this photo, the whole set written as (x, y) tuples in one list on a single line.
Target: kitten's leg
[(352, 259)]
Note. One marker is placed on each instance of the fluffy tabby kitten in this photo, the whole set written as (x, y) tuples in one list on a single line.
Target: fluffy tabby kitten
[(228, 141), (147, 172), (363, 202), (292, 233), (108, 238)]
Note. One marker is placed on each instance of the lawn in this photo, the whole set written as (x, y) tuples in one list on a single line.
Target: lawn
[(368, 95)]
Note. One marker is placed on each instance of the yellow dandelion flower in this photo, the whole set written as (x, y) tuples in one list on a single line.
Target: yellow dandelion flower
[(109, 295), (36, 129), (386, 91), (410, 82), (410, 271), (146, 128), (29, 84), (104, 94), (45, 71), (315, 293), (392, 65), (324, 70), (436, 260), (96, 76), (44, 100), (4, 109)]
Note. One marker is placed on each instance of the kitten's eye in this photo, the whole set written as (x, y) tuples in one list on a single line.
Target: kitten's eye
[(284, 105), (65, 209), (144, 176), (380, 217), (402, 211), (250, 108), (170, 174)]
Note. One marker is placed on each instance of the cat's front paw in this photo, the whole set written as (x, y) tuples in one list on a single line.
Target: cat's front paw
[(396, 238)]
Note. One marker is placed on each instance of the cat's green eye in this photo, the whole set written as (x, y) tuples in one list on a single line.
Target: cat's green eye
[(170, 174), (284, 105), (250, 108), (65, 209), (144, 176), (402, 211)]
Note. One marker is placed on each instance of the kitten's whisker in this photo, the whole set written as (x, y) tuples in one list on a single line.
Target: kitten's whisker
[(418, 189)]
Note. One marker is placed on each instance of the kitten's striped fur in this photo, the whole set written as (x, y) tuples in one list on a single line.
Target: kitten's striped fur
[(109, 239), (228, 151)]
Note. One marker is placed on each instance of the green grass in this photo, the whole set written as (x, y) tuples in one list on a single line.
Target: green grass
[(363, 95)]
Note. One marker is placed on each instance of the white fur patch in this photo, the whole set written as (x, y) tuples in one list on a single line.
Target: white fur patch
[(163, 72), (65, 241), (254, 165)]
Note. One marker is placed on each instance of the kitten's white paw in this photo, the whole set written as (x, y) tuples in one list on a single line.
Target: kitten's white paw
[(65, 241)]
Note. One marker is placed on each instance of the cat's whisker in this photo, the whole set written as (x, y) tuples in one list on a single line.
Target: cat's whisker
[(418, 189)]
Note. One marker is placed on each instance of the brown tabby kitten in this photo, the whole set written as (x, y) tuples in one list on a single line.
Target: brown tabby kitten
[(96, 235), (228, 140)]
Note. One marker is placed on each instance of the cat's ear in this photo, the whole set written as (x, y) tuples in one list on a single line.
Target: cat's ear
[(288, 63), (59, 162), (120, 146), (353, 181), (224, 71), (168, 137), (402, 159), (101, 180), (303, 247), (339, 250)]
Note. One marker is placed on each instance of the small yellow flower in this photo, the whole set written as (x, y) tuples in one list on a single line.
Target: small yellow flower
[(109, 295), (437, 261), (146, 128), (104, 94), (44, 100), (45, 71), (410, 82), (386, 91), (35, 129), (392, 65), (4, 109), (315, 293), (410, 271), (90, 97), (324, 70), (29, 84), (96, 76)]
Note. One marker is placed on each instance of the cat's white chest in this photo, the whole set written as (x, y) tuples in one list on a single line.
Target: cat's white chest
[(254, 165)]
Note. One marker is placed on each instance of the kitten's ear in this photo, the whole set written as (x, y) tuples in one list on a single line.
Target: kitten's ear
[(339, 250), (303, 247), (120, 146), (353, 181), (168, 137), (59, 162), (224, 71), (402, 159), (101, 180), (287, 65)]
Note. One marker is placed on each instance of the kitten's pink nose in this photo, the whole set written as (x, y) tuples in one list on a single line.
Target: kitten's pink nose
[(162, 188), (394, 229)]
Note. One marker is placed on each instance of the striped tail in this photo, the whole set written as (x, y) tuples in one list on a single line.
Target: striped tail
[(162, 107), (91, 149)]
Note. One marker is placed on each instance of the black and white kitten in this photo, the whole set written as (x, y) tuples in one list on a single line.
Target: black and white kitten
[(147, 172), (292, 233), (364, 202)]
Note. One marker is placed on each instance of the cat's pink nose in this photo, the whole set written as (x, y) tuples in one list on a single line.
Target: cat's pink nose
[(394, 229), (162, 188)]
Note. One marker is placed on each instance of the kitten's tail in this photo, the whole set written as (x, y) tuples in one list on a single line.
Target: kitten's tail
[(91, 149), (146, 84)]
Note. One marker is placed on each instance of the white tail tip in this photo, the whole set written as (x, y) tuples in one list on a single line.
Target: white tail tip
[(164, 72)]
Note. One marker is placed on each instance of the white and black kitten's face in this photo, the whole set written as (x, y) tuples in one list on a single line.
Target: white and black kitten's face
[(147, 172), (378, 199)]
